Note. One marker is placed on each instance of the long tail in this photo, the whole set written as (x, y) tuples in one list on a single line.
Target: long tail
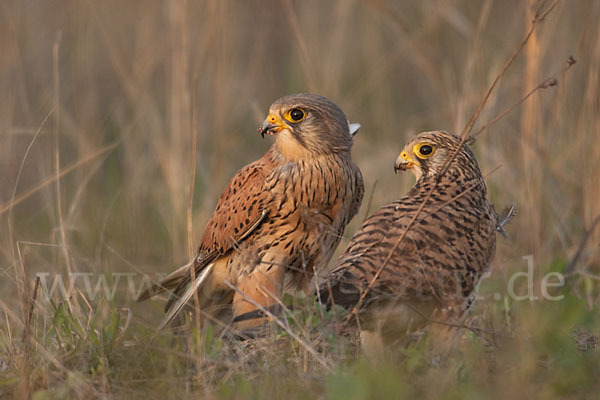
[(184, 298), (169, 282)]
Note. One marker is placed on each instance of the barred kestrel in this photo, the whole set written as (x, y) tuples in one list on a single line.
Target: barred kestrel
[(280, 218), (431, 272)]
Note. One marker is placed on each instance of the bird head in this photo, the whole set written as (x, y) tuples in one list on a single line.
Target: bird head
[(426, 155), (306, 125)]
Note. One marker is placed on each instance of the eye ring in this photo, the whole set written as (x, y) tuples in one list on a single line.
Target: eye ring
[(424, 150), (295, 115)]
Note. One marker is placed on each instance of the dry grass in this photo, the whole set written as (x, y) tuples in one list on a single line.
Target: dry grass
[(122, 121)]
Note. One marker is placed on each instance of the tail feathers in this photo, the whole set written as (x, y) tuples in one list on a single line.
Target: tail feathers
[(175, 306), (169, 282), (504, 218)]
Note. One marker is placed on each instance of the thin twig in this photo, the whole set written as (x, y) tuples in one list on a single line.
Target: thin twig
[(24, 196), (305, 58), (571, 268), (33, 299), (546, 83), (61, 222), (467, 190), (536, 21), (14, 193), (367, 211)]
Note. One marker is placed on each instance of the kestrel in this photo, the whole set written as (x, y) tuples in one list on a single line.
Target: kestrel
[(279, 219), (428, 271)]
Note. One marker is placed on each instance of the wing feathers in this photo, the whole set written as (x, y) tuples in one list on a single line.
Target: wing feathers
[(240, 210)]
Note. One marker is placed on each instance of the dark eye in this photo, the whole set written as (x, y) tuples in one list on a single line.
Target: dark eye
[(296, 114), (425, 150)]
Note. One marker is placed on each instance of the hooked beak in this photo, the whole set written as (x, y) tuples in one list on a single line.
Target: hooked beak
[(271, 125), (403, 162)]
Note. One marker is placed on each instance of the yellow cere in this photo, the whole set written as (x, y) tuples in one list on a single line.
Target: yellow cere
[(276, 121)]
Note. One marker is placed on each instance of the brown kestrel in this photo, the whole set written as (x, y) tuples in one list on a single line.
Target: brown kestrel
[(280, 218), (428, 271)]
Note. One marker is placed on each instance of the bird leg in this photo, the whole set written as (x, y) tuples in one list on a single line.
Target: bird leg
[(263, 286)]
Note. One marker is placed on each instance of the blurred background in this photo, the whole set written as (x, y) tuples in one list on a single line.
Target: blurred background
[(121, 122)]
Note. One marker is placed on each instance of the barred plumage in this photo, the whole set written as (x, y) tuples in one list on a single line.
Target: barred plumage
[(431, 272)]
